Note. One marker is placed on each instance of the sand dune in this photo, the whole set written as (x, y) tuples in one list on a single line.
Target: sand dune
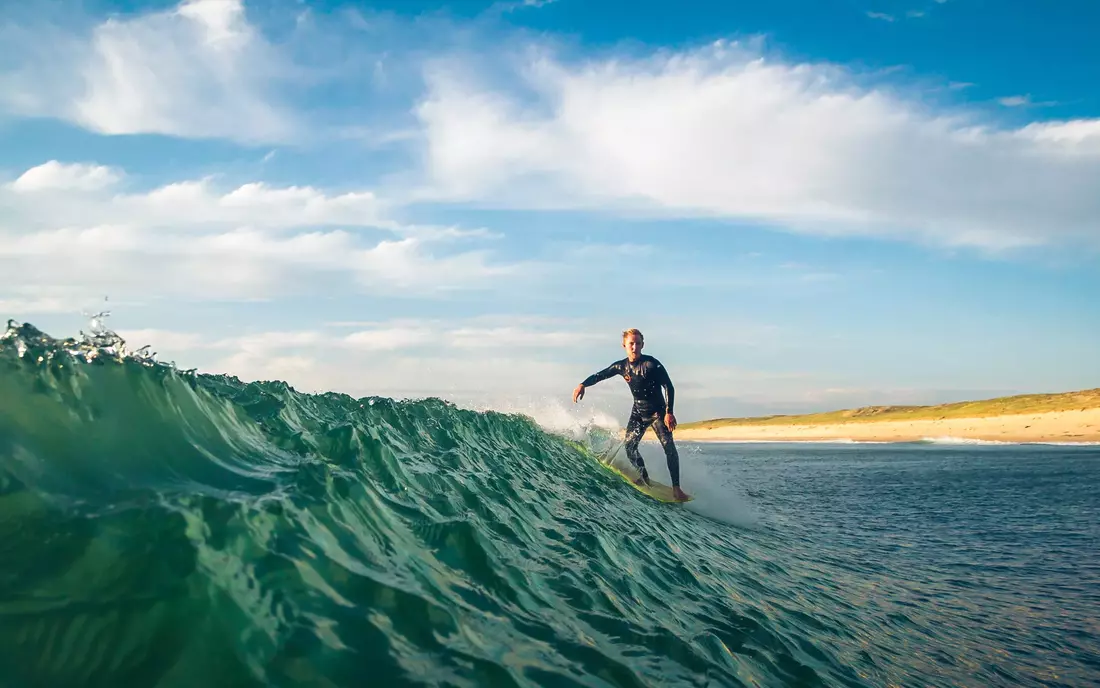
[(1057, 426)]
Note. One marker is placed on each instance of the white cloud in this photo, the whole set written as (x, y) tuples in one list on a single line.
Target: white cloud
[(239, 264), (405, 264), (725, 132), (192, 240), (1024, 101), (192, 202), (881, 15), (398, 335), (36, 297), (199, 70), (522, 4), (41, 197), (515, 337), (721, 131), (1076, 137), (15, 306), (388, 339), (56, 176)]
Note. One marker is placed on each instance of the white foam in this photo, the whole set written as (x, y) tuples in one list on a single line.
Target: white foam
[(715, 493), (947, 439), (970, 441), (556, 416)]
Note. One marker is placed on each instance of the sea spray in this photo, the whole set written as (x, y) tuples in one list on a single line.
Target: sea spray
[(576, 422)]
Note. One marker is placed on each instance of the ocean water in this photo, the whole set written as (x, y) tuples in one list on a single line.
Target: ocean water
[(161, 527)]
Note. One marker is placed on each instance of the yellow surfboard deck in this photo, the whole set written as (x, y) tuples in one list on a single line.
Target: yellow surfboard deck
[(654, 490)]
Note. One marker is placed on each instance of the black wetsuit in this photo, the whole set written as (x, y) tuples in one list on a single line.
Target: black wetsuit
[(646, 378)]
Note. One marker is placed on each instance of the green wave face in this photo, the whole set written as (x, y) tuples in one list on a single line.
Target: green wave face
[(167, 528)]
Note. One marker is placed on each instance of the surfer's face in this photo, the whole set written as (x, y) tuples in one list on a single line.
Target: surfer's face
[(633, 346)]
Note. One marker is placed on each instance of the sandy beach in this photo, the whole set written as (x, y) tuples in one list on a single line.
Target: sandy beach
[(1058, 426)]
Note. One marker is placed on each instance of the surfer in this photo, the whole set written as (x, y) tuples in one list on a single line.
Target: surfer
[(646, 377)]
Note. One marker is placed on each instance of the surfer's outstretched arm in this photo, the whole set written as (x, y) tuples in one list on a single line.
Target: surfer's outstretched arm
[(610, 371)]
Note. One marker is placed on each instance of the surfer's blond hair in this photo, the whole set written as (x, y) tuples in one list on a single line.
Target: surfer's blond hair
[(636, 332)]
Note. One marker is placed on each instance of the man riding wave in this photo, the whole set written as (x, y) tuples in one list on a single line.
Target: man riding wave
[(646, 378)]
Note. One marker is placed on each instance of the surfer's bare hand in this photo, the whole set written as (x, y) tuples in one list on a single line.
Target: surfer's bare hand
[(578, 393), (670, 421)]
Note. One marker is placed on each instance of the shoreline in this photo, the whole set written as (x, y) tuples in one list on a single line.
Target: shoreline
[(1062, 427)]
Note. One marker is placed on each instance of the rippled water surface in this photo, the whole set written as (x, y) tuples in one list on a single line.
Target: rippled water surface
[(936, 565), (161, 528)]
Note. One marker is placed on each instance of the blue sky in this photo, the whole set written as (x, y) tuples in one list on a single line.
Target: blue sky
[(804, 205)]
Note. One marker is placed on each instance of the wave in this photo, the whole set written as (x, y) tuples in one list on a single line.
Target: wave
[(169, 527)]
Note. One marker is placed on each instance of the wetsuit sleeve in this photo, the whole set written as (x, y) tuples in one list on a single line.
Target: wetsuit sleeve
[(665, 381), (610, 371)]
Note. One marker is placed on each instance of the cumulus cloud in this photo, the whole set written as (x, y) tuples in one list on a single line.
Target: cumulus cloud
[(191, 239), (238, 264), (56, 176), (726, 132), (41, 196)]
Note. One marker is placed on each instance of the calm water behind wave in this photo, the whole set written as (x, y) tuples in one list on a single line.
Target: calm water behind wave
[(931, 564)]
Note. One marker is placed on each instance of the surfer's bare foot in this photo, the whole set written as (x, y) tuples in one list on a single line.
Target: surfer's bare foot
[(679, 494), (642, 481)]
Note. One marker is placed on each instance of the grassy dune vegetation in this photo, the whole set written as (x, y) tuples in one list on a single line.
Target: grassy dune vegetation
[(985, 408)]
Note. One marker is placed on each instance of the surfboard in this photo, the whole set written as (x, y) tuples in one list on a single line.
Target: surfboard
[(654, 490)]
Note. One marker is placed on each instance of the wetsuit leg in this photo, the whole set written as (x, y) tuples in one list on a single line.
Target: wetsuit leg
[(635, 428), (669, 445)]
